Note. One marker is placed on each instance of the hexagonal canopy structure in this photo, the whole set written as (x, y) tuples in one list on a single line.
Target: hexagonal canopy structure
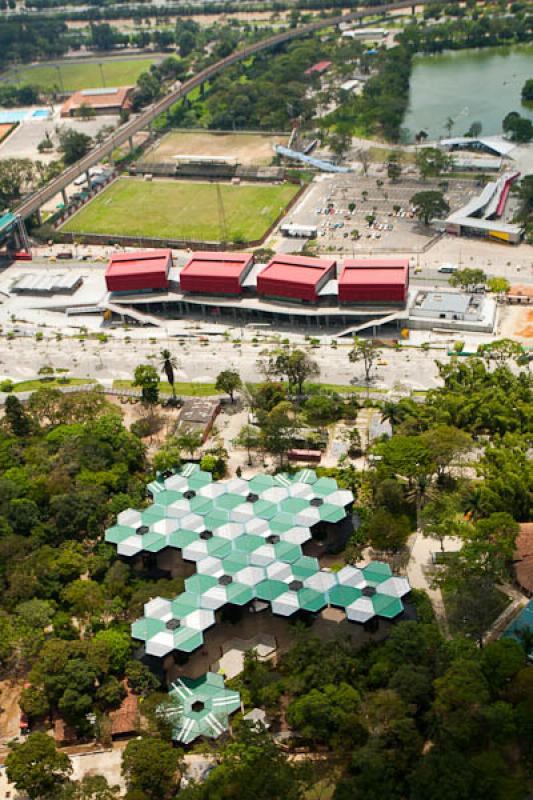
[(200, 707), (245, 539)]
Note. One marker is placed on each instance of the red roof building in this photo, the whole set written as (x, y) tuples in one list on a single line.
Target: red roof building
[(374, 281), (216, 273), (139, 271), (101, 101), (295, 277), (319, 68)]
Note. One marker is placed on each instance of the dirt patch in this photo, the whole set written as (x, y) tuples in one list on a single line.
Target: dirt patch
[(167, 421), (5, 130), (247, 148), (9, 709), (527, 331)]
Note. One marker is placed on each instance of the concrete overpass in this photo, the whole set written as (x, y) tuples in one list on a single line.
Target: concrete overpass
[(32, 203)]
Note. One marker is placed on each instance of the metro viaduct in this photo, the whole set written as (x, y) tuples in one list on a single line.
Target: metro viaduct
[(33, 203)]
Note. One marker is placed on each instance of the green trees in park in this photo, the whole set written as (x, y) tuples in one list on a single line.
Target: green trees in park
[(73, 145), (499, 286), (31, 39), (168, 364), (228, 381), (36, 767), (368, 353), (278, 428), (16, 417), (429, 204), (527, 90), (189, 440), (252, 767), (150, 767), (432, 161), (467, 278), (296, 366), (519, 129), (17, 176), (146, 378), (394, 165)]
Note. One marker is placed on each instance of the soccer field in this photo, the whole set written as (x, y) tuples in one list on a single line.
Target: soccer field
[(72, 77), (177, 210)]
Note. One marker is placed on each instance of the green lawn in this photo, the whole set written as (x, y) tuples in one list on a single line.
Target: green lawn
[(56, 383), (184, 389), (82, 76), (176, 210), (207, 389)]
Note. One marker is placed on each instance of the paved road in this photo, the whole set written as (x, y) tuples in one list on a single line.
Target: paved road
[(142, 120)]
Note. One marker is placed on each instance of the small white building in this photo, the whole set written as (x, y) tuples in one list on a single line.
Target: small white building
[(299, 231), (365, 33), (459, 310)]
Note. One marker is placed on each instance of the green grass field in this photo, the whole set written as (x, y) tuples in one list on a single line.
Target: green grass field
[(177, 210), (72, 77)]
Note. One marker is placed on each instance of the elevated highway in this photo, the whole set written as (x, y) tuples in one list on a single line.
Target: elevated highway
[(33, 202)]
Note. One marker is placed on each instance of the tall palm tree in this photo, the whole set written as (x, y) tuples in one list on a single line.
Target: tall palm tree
[(168, 364)]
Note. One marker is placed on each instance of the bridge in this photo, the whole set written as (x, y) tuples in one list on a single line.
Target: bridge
[(33, 202)]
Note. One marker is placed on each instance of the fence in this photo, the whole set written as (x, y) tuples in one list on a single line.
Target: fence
[(176, 244)]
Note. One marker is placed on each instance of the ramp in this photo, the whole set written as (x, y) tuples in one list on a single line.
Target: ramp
[(138, 316), (319, 163), (373, 323)]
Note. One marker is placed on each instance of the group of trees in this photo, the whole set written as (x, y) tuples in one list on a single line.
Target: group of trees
[(481, 29), (418, 717), (67, 467), (31, 39), (519, 129)]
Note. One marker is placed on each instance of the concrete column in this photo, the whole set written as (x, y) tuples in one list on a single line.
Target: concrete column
[(413, 10), (130, 142), (64, 196), (89, 181), (39, 217)]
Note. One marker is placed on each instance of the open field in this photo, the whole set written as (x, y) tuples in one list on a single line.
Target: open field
[(76, 76), (178, 210), (247, 148)]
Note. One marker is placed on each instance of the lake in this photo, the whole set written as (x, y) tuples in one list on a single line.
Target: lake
[(468, 85)]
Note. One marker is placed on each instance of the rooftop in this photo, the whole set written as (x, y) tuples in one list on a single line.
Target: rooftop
[(200, 707), (97, 98), (297, 269), (146, 261), (245, 537), (372, 271), (440, 302), (216, 265), (320, 67)]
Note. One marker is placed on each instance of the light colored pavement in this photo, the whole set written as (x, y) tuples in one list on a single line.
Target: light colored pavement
[(22, 357), (420, 565), (22, 143)]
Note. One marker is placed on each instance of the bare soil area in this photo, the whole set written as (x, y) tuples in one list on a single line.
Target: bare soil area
[(247, 148), (9, 709)]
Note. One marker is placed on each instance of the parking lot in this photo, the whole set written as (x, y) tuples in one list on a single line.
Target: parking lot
[(383, 218)]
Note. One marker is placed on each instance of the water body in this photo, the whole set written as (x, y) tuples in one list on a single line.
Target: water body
[(468, 85)]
